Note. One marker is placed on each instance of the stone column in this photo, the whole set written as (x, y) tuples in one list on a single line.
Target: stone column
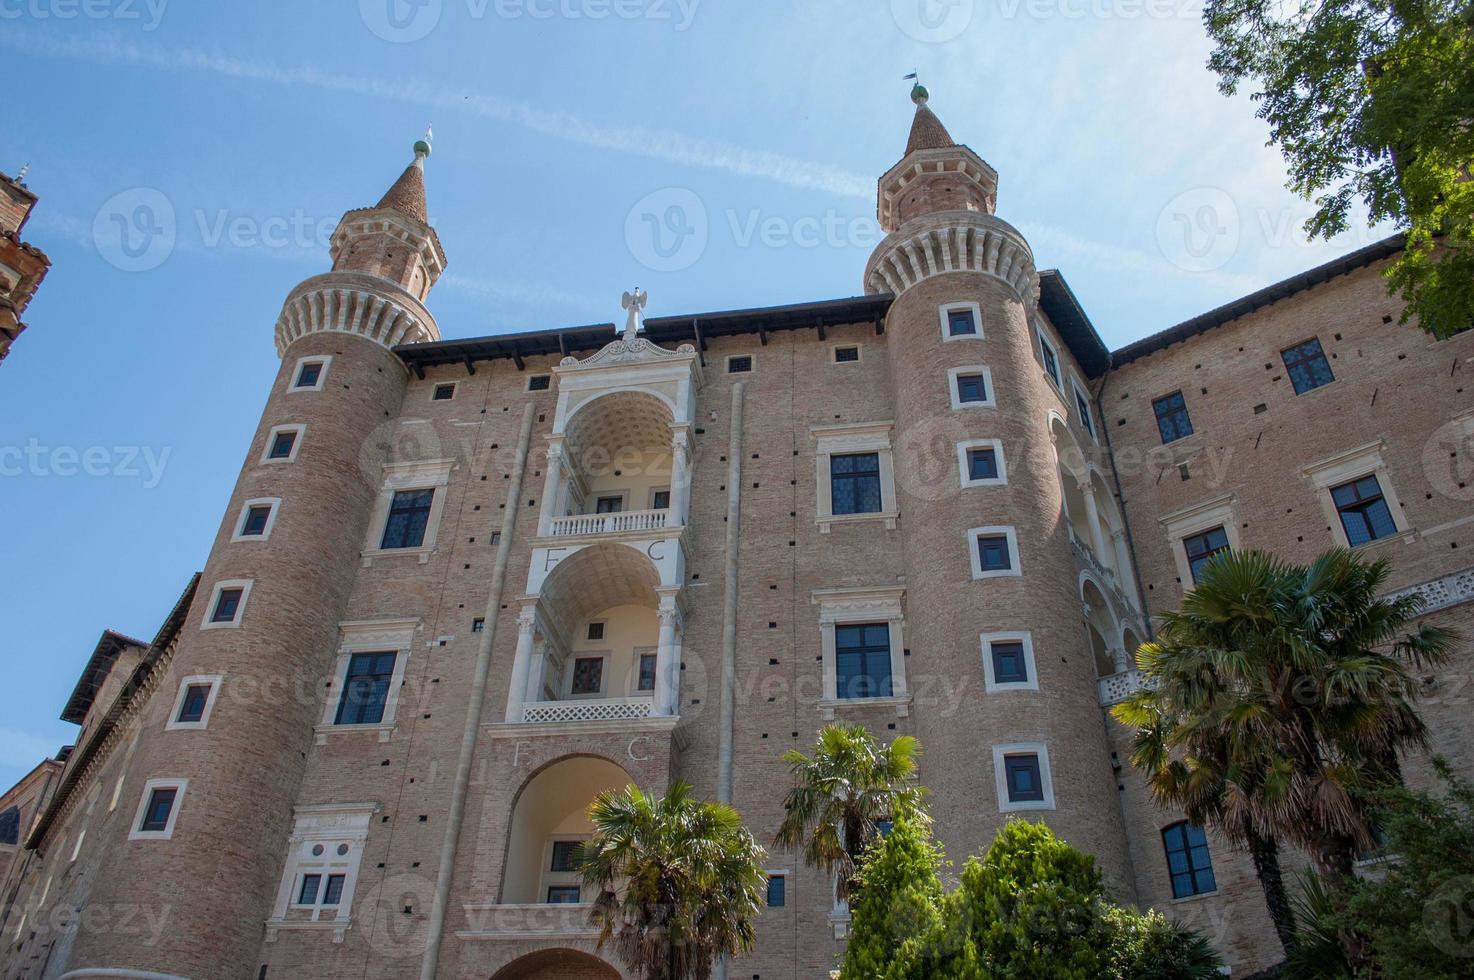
[(552, 478), (1092, 517), (680, 477), (521, 663), (668, 660)]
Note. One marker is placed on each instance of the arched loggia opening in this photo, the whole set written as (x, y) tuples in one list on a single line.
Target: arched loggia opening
[(549, 821), (557, 964), (1101, 629)]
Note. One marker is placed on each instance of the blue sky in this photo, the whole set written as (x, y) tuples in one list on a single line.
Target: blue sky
[(224, 141)]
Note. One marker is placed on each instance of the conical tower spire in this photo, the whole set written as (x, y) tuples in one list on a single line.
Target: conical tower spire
[(936, 174), (927, 131), (407, 196)]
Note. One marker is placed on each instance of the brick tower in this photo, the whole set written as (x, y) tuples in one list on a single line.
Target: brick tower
[(22, 265), (263, 630), (990, 571)]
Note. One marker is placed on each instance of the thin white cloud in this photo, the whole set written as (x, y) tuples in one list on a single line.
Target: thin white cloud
[(643, 141)]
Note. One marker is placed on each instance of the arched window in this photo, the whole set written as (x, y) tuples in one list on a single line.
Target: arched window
[(1188, 861)]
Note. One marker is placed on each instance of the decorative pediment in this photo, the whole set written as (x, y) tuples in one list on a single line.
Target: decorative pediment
[(628, 349)]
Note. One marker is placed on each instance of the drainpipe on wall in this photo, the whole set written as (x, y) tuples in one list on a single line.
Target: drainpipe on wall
[(1146, 612), (729, 610), (462, 781)]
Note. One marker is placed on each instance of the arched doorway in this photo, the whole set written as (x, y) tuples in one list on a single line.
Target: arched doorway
[(557, 964)]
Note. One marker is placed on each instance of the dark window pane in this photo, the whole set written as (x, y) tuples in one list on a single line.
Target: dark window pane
[(409, 514), (192, 708), (308, 893), (156, 814), (1201, 547), (776, 891), (647, 672), (1307, 366), (1188, 861), (661, 500), (281, 445), (565, 855), (564, 895), (1364, 513), (307, 377), (609, 505), (1023, 779), (960, 323), (366, 689), (993, 553), (444, 392), (846, 355), (333, 894), (539, 382), (970, 388), (226, 605), (739, 365), (1084, 409), (1051, 363), (1172, 418), (982, 464), (596, 631), (862, 655), (854, 482), (1009, 666), (255, 522), (588, 675)]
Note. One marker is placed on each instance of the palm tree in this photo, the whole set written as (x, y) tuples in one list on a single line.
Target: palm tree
[(680, 881), (841, 796), (1276, 699)]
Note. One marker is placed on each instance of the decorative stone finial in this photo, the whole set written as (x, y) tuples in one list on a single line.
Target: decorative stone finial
[(422, 146), (634, 303)]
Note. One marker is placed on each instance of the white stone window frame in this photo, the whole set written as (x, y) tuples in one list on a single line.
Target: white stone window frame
[(328, 825), (650, 499), (548, 878), (300, 433), (1220, 511), (834, 350), (1004, 530), (454, 386), (751, 365), (326, 360), (990, 683), (368, 636), (849, 439), (963, 469), (244, 584), (1000, 777), (237, 534), (159, 782), (1346, 467), (185, 683), (593, 499), (1079, 395), (991, 394), (946, 309), (1055, 378), (847, 606), (429, 474)]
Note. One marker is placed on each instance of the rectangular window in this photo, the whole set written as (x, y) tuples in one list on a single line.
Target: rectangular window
[(1188, 861), (846, 355), (564, 895), (1364, 513), (596, 631), (588, 675), (1009, 663), (255, 523), (1173, 421), (227, 604), (565, 855), (281, 445), (409, 514), (444, 393), (993, 555), (982, 464), (307, 895), (156, 813), (478, 625), (660, 500), (1201, 547), (647, 672), (971, 388), (777, 888), (960, 323), (862, 660), (1083, 406), (539, 382), (739, 364), (1025, 784), (1307, 366), (193, 707), (333, 893), (365, 689), (308, 374), (609, 505), (854, 483), (1051, 361)]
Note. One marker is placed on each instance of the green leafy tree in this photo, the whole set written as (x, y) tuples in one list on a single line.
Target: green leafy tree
[(1277, 699), (1149, 946), (1370, 101), (842, 794), (680, 881), (897, 906)]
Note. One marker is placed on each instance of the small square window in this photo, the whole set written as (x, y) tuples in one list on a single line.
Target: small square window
[(1307, 366), (846, 355), (564, 895), (993, 555), (308, 893), (982, 464), (660, 500), (609, 505), (739, 364), (409, 515), (971, 388), (160, 806), (1203, 546), (565, 855), (588, 675), (646, 680), (961, 323), (333, 893), (1023, 778), (539, 382), (192, 708), (1009, 664), (596, 631), (308, 374), (227, 604), (282, 444), (254, 524), (445, 392), (1365, 516), (478, 625), (777, 891), (1173, 421)]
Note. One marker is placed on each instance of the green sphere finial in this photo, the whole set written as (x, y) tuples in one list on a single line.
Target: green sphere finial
[(919, 94), (422, 148)]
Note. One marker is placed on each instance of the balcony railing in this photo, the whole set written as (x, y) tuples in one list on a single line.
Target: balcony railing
[(630, 520), (617, 709), (1116, 688)]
